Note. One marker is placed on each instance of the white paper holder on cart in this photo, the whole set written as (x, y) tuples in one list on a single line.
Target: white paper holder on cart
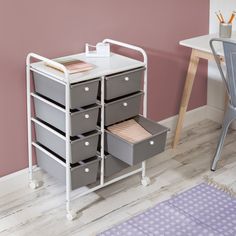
[(101, 50)]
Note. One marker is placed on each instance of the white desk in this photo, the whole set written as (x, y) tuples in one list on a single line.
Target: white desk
[(200, 50)]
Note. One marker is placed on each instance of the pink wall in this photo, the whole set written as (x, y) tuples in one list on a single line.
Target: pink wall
[(54, 28)]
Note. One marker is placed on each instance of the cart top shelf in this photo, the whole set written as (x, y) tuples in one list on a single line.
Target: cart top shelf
[(102, 66)]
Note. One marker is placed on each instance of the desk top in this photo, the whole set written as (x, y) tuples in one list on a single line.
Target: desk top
[(202, 42), (102, 67)]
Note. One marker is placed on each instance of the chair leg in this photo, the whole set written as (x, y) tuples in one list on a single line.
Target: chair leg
[(229, 117)]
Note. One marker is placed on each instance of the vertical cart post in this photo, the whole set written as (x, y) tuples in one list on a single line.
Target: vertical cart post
[(102, 131), (71, 215), (29, 130)]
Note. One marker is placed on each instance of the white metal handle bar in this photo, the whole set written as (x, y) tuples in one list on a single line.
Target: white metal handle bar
[(129, 46), (48, 61)]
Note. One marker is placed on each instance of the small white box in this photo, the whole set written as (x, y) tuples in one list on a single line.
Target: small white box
[(102, 50)]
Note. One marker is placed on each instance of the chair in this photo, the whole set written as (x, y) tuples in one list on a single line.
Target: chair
[(229, 49)]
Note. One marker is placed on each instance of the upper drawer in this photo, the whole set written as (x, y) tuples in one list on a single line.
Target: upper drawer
[(122, 108), (81, 94), (123, 83)]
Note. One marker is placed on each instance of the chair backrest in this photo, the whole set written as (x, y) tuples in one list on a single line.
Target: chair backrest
[(229, 50)]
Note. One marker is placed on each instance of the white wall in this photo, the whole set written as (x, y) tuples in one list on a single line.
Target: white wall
[(215, 91)]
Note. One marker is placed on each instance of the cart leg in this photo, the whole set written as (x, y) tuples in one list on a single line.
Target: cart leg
[(71, 215), (33, 184), (145, 181), (102, 131)]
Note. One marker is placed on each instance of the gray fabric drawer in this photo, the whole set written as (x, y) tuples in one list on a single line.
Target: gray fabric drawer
[(122, 109), (82, 94), (123, 83), (82, 121), (112, 165), (133, 153), (81, 174), (82, 146)]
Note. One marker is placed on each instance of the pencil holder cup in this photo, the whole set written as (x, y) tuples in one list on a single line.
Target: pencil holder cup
[(225, 30)]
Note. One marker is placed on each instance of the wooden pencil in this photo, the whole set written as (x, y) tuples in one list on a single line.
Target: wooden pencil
[(218, 17), (221, 16), (231, 18)]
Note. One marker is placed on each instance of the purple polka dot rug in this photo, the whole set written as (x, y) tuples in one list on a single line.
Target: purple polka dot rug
[(203, 210)]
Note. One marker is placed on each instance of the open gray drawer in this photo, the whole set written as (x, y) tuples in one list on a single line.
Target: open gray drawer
[(123, 108), (82, 173), (82, 146), (82, 121), (82, 94), (133, 153), (124, 83), (112, 165)]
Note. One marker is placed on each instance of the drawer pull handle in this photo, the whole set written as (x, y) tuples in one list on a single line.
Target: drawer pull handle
[(86, 116), (126, 78), (86, 89), (86, 143), (125, 104), (151, 142), (86, 170)]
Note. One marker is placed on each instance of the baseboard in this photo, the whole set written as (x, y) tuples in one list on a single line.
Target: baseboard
[(191, 117), (217, 115)]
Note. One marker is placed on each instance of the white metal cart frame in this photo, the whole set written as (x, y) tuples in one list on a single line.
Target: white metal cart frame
[(34, 183)]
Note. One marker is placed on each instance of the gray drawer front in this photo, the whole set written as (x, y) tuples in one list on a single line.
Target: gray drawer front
[(123, 83), (113, 165), (81, 175), (81, 148), (81, 121), (82, 94), (122, 109), (133, 153)]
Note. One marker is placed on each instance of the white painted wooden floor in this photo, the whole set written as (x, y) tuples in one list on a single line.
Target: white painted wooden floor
[(40, 212)]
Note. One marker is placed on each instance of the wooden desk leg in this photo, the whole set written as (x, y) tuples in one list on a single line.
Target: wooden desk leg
[(192, 69)]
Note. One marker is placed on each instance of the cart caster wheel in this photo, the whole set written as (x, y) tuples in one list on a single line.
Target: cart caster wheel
[(34, 184), (71, 215), (145, 181)]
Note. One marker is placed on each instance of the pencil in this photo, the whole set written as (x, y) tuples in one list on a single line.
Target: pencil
[(218, 17), (222, 18), (231, 18)]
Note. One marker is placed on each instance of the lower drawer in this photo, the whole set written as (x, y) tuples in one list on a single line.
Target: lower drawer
[(82, 121), (133, 153), (81, 174), (112, 165), (82, 146), (122, 109)]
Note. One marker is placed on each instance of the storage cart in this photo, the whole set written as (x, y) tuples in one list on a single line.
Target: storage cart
[(71, 115)]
